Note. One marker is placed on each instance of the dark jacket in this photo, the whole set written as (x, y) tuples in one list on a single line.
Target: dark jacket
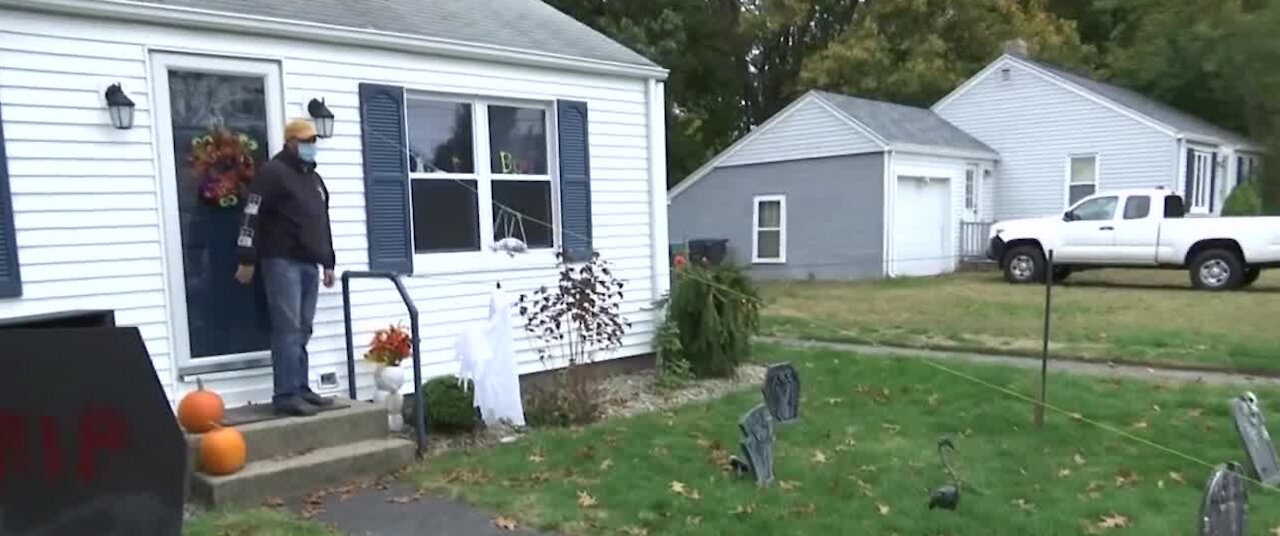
[(286, 214)]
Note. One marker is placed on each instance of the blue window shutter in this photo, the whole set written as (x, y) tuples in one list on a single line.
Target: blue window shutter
[(386, 179), (575, 181), (1189, 188), (10, 276)]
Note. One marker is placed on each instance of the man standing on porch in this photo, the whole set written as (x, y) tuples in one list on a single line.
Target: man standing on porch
[(286, 231)]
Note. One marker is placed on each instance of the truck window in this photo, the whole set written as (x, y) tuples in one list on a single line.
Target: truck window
[(1137, 207), (1173, 207), (1100, 208)]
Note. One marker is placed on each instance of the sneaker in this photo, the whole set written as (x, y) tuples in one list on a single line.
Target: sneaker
[(315, 399), (293, 407)]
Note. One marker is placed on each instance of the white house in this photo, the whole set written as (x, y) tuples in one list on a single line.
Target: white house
[(445, 109), (1062, 136)]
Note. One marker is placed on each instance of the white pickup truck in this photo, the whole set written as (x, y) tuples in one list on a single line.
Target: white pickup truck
[(1138, 229)]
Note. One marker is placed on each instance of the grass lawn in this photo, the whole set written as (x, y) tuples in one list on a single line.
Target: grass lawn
[(862, 460), (252, 523), (1122, 315)]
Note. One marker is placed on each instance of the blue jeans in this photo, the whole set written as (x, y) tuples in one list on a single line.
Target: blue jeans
[(292, 287)]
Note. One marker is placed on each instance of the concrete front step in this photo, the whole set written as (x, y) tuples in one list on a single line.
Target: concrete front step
[(291, 477), (352, 421)]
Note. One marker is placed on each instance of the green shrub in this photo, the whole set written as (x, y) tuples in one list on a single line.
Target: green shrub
[(674, 372), (450, 407), (716, 311), (1243, 201)]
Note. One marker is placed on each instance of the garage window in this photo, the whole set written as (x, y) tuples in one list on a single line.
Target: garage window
[(769, 237), (1083, 180)]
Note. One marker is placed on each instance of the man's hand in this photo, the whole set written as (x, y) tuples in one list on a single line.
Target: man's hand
[(244, 274), (328, 278)]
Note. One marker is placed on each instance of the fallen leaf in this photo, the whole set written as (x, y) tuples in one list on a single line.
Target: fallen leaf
[(1095, 486), (788, 485), (1196, 412), (659, 452), (1156, 408), (1177, 477), (933, 399), (636, 531), (834, 401), (402, 500), (1140, 425), (1113, 521), (1077, 417), (1276, 531), (537, 457), (540, 477), (703, 443), (868, 468), (1064, 472), (891, 428), (678, 487), (504, 523), (606, 464), (883, 509), (808, 509), (1024, 505), (744, 509), (1126, 477), (1079, 459), (693, 521), (585, 499), (819, 457), (274, 502), (1160, 484)]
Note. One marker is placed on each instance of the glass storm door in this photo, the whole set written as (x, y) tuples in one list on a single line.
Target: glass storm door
[(219, 120)]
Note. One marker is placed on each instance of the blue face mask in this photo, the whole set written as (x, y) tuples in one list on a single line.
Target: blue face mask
[(307, 152)]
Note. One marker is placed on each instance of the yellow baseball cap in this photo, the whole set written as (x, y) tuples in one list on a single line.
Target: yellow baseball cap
[(299, 129)]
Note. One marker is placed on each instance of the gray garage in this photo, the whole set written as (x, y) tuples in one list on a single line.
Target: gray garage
[(837, 187)]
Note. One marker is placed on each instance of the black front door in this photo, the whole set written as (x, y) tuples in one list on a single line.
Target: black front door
[(220, 137)]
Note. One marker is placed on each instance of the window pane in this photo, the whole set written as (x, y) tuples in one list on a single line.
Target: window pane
[(1102, 208), (518, 140), (1080, 192), (519, 210), (970, 178), (1136, 208), (1083, 170), (769, 244), (445, 215), (770, 214), (440, 137)]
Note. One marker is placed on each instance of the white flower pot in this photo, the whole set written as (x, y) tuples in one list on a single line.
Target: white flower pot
[(389, 380)]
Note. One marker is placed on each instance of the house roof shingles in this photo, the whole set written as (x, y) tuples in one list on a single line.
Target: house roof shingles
[(898, 123), (528, 25), (1176, 119)]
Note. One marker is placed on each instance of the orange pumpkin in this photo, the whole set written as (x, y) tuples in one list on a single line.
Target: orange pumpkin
[(222, 451), (200, 411)]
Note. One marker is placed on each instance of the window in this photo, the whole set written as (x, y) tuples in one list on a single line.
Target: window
[(769, 244), (971, 188), (1101, 208), (1246, 169), (1084, 178), (479, 172), (1137, 207)]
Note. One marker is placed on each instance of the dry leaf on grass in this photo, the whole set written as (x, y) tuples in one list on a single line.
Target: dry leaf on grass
[(1177, 477), (274, 502), (679, 488), (807, 509), (1126, 477), (1196, 412), (1064, 472), (1113, 521), (1079, 459), (635, 531), (1155, 408), (1160, 484), (1076, 416), (883, 509), (788, 485), (606, 464), (537, 457), (891, 428), (1140, 425), (703, 443), (834, 401), (505, 523), (585, 499), (819, 457), (1024, 505), (744, 509), (693, 521), (933, 399), (1275, 531)]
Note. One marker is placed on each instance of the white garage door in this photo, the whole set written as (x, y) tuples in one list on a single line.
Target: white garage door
[(921, 227)]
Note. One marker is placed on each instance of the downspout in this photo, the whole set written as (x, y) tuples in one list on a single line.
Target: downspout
[(657, 138)]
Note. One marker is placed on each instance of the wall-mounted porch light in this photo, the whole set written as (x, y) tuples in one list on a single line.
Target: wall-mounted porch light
[(120, 106), (322, 116)]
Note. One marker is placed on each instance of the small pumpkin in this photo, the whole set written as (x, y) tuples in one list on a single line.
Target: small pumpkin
[(201, 410), (222, 451)]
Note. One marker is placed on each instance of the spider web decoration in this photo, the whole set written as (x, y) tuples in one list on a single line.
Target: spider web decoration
[(510, 222)]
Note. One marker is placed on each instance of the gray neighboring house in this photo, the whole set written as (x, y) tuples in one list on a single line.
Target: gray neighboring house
[(838, 187), (1062, 136)]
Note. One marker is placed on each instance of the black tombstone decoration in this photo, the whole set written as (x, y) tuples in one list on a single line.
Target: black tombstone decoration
[(1252, 428), (757, 445), (1225, 508), (88, 441), (782, 392)]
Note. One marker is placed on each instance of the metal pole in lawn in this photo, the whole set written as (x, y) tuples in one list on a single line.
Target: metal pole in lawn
[(1044, 352)]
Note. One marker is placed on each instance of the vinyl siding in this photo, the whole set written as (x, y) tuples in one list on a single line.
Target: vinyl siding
[(807, 130), (87, 193), (1036, 124), (835, 214)]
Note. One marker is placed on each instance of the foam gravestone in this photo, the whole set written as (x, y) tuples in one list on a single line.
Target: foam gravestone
[(88, 441)]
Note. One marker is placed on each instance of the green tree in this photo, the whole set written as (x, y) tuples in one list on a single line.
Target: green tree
[(916, 51)]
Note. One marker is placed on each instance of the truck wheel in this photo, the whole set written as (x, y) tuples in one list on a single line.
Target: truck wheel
[(1251, 276), (1024, 264), (1217, 269)]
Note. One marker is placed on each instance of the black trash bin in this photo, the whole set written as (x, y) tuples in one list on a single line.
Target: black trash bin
[(709, 250)]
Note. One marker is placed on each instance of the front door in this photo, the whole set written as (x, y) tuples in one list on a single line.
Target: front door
[(1202, 177), (218, 120)]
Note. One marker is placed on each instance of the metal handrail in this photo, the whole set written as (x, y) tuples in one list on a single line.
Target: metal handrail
[(419, 414)]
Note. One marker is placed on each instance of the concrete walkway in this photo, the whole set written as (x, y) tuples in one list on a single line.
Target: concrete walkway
[(1069, 366), (398, 511)]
